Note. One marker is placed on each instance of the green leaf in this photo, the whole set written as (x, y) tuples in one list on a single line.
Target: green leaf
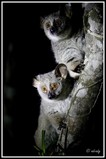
[(43, 143)]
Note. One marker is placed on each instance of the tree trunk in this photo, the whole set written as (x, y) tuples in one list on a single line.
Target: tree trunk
[(88, 86)]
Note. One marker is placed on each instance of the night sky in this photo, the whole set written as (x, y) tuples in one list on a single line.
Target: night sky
[(26, 53)]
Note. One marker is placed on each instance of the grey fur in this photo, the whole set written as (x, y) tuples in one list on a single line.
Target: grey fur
[(52, 111), (67, 49)]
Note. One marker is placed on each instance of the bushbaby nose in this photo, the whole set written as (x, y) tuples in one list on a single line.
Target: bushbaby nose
[(52, 30), (51, 95)]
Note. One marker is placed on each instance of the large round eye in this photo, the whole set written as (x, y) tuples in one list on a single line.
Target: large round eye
[(48, 25), (54, 86), (44, 89), (58, 22)]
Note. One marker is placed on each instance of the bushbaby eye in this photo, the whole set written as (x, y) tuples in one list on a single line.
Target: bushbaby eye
[(54, 86), (48, 25), (58, 22), (44, 89)]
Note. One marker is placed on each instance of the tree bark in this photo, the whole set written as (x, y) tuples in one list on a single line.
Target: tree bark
[(89, 85)]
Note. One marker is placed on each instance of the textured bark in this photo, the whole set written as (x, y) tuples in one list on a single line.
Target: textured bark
[(88, 87)]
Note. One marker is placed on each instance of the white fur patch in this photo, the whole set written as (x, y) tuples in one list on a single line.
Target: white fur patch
[(74, 75), (53, 38)]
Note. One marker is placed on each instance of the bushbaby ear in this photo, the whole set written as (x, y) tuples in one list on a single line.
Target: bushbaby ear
[(42, 22), (35, 82), (68, 10), (61, 71)]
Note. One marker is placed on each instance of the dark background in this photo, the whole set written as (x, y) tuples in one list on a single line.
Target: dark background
[(26, 53)]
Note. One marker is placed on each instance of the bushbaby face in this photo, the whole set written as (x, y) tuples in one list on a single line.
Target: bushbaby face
[(49, 87), (56, 26), (52, 85)]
